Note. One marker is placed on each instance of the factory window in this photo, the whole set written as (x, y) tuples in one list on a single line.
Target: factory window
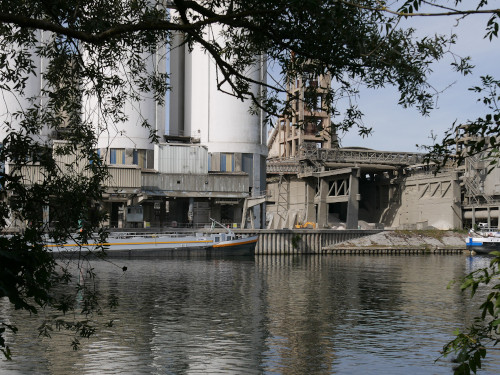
[(313, 126), (313, 82), (117, 156), (209, 162), (139, 158), (226, 162), (318, 104)]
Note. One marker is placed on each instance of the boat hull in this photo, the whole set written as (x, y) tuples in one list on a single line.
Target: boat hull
[(483, 245), (158, 246), (238, 247)]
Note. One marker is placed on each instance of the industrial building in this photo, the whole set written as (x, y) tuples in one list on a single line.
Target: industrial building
[(210, 161), (313, 183), (214, 161)]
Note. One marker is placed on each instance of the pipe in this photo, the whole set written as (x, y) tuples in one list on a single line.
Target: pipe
[(481, 214)]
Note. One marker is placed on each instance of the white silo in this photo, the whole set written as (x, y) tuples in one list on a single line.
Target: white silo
[(12, 102), (222, 122), (128, 141)]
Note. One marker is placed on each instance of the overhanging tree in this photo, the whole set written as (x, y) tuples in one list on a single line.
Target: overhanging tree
[(98, 49)]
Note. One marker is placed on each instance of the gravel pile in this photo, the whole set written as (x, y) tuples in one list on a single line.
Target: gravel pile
[(398, 239)]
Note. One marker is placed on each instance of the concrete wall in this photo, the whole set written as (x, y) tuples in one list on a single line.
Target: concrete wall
[(290, 206), (301, 241), (492, 182), (430, 200), (414, 201)]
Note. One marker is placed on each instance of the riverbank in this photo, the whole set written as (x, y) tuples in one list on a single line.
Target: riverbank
[(403, 242)]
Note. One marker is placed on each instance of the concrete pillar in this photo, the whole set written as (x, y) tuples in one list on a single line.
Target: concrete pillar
[(498, 218), (489, 218), (310, 209), (177, 70), (191, 211), (353, 202), (238, 161), (259, 188), (322, 218), (473, 217)]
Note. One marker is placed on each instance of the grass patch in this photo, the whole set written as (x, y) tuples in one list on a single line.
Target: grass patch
[(431, 233)]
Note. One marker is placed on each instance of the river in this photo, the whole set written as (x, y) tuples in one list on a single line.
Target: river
[(269, 315)]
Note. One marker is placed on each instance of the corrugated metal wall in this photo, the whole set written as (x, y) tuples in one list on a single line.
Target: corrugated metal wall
[(124, 177), (176, 158), (196, 182)]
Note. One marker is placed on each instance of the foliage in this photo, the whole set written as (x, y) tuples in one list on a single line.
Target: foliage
[(474, 137), (471, 346), (95, 57)]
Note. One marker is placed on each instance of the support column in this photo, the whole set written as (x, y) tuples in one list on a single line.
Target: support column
[(310, 210), (244, 214), (473, 217), (498, 224), (191, 211), (489, 218), (353, 202), (322, 218), (259, 188)]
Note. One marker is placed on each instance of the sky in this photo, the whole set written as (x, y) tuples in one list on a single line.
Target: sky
[(399, 129)]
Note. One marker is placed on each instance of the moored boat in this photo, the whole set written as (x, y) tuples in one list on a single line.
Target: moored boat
[(483, 241), (160, 244)]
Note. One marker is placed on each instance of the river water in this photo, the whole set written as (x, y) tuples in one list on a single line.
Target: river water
[(269, 315)]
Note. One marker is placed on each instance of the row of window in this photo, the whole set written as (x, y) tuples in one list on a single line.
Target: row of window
[(226, 162), (117, 156), (139, 157)]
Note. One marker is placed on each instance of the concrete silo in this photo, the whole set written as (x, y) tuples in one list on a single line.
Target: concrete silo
[(12, 102), (128, 142), (235, 138), (125, 144)]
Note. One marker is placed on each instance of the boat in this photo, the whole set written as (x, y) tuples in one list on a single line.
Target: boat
[(483, 241), (144, 244)]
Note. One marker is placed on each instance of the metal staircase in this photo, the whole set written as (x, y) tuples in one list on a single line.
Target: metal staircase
[(472, 182), (282, 202)]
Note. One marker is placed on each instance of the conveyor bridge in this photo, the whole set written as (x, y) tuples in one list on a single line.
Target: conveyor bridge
[(350, 157)]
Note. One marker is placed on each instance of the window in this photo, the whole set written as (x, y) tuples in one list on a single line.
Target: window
[(117, 156), (227, 162), (139, 158), (313, 126), (318, 105)]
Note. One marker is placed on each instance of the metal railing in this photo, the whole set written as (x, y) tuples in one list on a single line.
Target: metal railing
[(364, 156), (317, 155)]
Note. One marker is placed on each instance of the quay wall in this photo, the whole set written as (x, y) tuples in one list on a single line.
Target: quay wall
[(301, 241)]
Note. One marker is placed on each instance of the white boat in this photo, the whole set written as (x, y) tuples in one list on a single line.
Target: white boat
[(483, 241), (160, 244)]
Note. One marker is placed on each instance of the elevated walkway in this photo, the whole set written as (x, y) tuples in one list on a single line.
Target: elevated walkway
[(342, 158)]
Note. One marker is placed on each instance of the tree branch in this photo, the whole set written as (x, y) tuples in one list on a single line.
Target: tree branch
[(454, 12)]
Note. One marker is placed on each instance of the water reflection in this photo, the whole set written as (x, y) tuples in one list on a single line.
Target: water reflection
[(287, 315)]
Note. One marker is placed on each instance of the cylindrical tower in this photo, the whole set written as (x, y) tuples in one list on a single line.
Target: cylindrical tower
[(11, 102), (128, 141), (235, 137), (222, 122)]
